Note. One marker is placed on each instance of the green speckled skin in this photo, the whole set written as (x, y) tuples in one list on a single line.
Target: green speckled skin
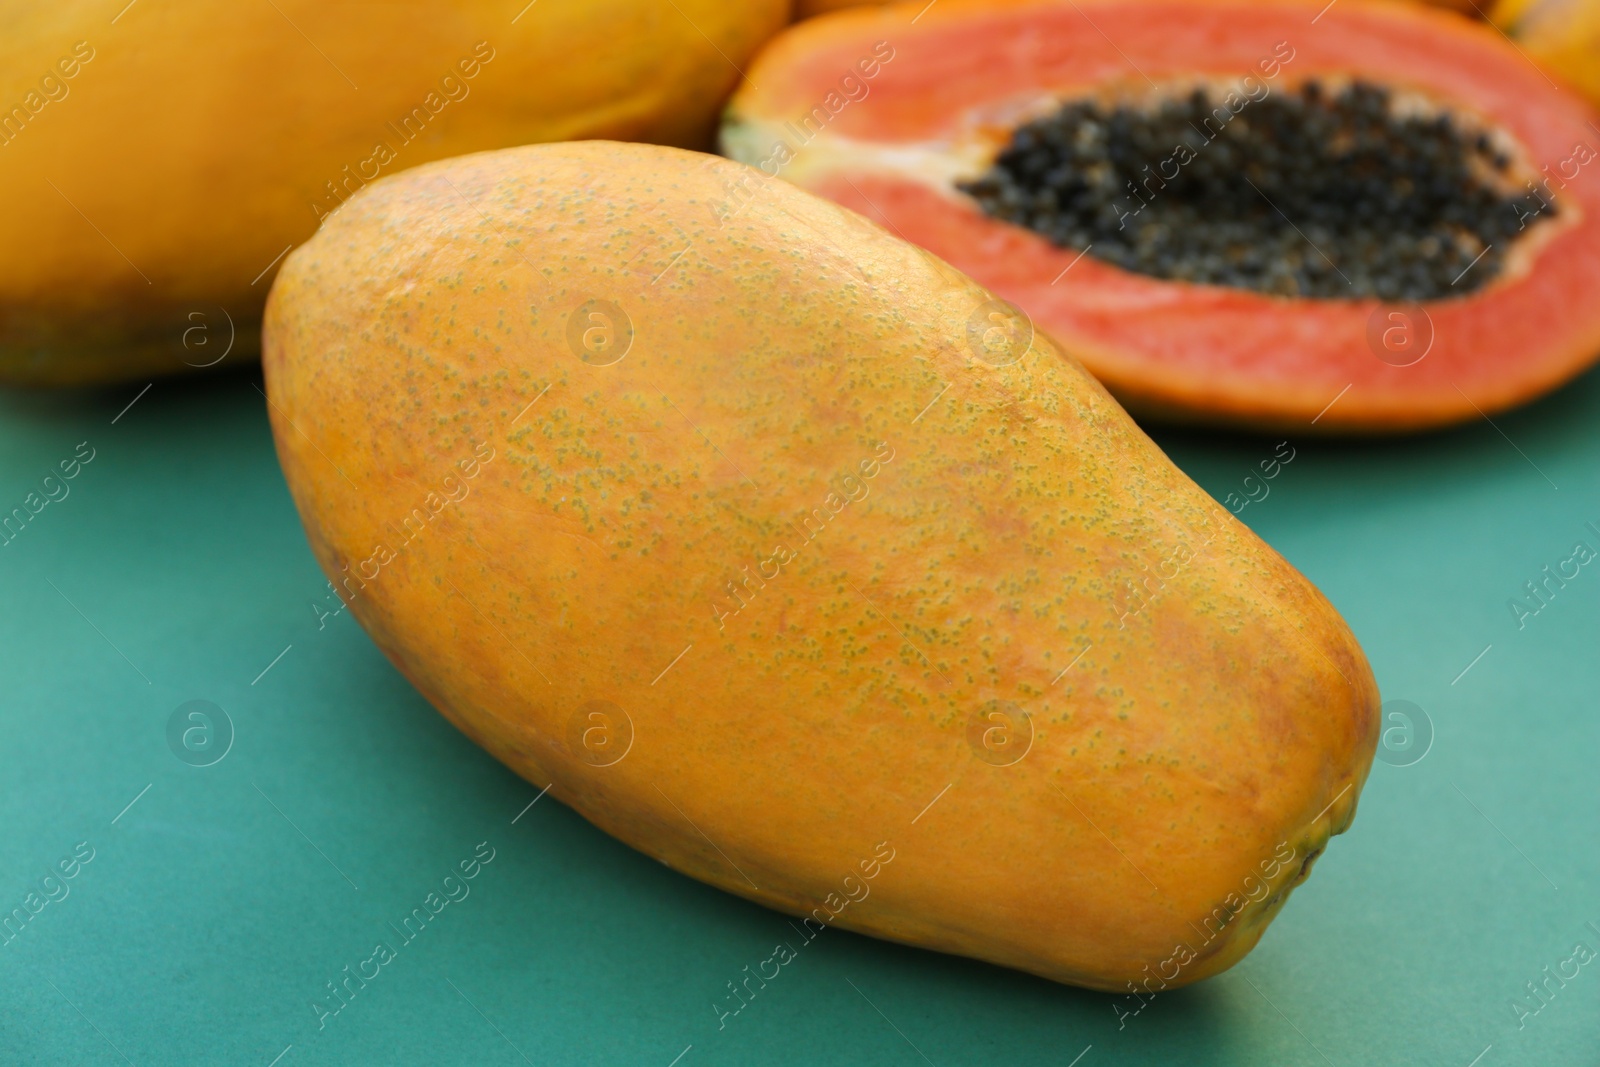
[(799, 581)]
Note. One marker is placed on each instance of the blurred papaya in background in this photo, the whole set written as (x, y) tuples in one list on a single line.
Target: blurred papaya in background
[(805, 9), (1564, 35), (157, 161)]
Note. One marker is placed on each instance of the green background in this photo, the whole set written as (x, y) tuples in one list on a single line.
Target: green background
[(218, 905)]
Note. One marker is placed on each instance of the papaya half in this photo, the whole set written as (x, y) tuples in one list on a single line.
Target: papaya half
[(790, 556), (1564, 35), (1359, 216), (157, 162)]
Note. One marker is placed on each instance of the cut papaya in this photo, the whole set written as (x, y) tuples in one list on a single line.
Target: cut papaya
[(1353, 216)]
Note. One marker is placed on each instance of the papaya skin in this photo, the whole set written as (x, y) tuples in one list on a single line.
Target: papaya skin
[(1563, 35), (199, 141), (808, 9), (960, 537), (805, 9)]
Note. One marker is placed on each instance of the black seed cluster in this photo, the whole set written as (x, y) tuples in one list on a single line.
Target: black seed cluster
[(1299, 193)]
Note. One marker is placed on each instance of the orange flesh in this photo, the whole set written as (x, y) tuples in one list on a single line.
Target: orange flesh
[(962, 73)]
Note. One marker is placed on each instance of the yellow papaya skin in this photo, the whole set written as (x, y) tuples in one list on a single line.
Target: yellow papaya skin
[(1562, 35), (805, 9), (157, 162), (775, 548)]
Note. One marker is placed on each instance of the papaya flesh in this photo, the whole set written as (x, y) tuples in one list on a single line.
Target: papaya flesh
[(1564, 35), (898, 147), (783, 552), (158, 164)]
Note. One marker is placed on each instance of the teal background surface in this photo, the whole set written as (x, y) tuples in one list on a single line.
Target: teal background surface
[(220, 899)]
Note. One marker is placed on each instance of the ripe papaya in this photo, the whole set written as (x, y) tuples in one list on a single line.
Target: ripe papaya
[(1360, 216), (790, 556), (159, 160), (1564, 35), (805, 9)]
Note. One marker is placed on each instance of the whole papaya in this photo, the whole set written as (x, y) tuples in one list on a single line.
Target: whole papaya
[(156, 162), (785, 553)]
